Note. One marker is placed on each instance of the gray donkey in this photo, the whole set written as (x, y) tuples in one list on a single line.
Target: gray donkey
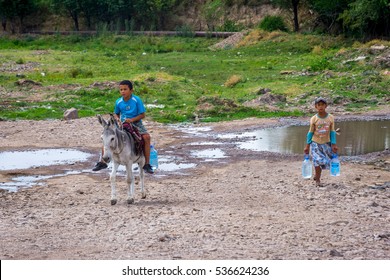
[(120, 147)]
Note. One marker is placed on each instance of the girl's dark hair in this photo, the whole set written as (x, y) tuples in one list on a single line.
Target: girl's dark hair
[(126, 82)]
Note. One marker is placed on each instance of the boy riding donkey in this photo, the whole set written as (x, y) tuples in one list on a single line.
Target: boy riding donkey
[(130, 110)]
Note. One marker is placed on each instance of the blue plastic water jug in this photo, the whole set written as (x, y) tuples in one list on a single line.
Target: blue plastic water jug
[(307, 167), (335, 166), (153, 157)]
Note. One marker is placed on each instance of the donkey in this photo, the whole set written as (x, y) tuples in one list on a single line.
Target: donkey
[(120, 147)]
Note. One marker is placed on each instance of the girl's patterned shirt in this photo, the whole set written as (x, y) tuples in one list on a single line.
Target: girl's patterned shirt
[(321, 128)]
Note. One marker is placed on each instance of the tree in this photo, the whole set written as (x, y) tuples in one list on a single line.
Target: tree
[(368, 17), (71, 7), (88, 8), (329, 11), (152, 13), (16, 10), (289, 4), (212, 12)]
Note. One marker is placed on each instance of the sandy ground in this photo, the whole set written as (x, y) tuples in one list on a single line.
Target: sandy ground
[(246, 206)]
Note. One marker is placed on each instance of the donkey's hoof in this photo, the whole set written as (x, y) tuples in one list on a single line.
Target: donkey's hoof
[(113, 201), (130, 200), (143, 196)]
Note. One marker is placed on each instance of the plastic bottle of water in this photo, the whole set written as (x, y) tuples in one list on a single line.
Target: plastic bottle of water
[(335, 166), (307, 168), (153, 157)]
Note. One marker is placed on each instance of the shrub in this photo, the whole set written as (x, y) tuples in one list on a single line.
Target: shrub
[(80, 73), (272, 23), (185, 31), (317, 50), (230, 26), (233, 80), (320, 64), (20, 61)]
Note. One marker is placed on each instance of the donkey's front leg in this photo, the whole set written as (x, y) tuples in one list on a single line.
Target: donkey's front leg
[(141, 177), (113, 183), (130, 183)]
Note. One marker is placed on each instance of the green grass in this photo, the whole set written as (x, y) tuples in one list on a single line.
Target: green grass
[(179, 73)]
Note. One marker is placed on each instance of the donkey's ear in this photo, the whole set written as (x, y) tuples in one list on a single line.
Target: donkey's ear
[(112, 120), (101, 120)]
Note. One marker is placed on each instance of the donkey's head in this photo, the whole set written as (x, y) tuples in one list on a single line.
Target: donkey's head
[(109, 137)]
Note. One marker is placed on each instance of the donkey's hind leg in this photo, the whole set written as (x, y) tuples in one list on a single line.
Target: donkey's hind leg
[(113, 183), (130, 183)]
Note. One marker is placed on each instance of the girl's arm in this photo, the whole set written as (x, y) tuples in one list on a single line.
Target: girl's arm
[(309, 137), (333, 138)]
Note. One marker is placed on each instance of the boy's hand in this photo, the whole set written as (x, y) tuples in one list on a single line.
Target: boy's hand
[(334, 148), (307, 149)]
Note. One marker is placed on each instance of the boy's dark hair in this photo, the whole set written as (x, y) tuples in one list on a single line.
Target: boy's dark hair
[(320, 99), (126, 82)]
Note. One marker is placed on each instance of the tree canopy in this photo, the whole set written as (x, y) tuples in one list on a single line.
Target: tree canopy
[(363, 18)]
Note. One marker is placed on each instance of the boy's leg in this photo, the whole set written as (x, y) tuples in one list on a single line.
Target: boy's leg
[(147, 167), (101, 164), (146, 138)]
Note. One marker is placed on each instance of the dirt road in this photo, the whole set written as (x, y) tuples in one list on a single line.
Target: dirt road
[(245, 206)]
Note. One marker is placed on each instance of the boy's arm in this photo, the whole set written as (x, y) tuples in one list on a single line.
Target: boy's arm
[(117, 117), (135, 119)]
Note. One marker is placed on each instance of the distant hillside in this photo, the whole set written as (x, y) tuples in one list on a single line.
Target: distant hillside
[(195, 17)]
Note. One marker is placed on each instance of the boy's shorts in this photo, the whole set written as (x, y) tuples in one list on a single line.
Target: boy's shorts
[(141, 127), (321, 154)]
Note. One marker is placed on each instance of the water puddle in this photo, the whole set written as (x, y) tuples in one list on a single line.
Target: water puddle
[(205, 143), (195, 130), (356, 138), (21, 182), (165, 164), (171, 164), (45, 157), (209, 154), (19, 160)]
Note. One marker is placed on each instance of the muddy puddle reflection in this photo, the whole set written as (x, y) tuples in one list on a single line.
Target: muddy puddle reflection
[(36, 158), (32, 159), (355, 138), (11, 161)]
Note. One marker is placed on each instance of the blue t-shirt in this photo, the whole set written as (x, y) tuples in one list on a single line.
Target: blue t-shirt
[(130, 108)]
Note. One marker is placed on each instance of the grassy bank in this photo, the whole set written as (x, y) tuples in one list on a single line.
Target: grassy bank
[(181, 79)]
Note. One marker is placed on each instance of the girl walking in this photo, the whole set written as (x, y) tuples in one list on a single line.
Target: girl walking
[(321, 138)]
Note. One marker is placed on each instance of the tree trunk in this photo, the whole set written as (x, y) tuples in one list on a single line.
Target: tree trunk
[(4, 23), (295, 4), (21, 25), (76, 21)]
